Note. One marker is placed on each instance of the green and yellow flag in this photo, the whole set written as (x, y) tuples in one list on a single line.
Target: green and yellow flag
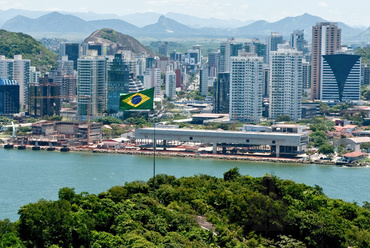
[(140, 100)]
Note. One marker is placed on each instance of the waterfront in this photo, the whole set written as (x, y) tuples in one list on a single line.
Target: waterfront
[(27, 176)]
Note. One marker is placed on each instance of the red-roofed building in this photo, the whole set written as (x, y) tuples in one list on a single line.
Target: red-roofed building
[(353, 156)]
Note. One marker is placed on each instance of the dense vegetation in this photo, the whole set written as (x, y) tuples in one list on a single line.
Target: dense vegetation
[(241, 211), (21, 44)]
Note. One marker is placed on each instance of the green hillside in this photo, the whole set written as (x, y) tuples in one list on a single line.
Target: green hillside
[(17, 43), (198, 211)]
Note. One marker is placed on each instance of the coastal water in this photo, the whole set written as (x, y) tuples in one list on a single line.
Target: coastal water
[(27, 176)]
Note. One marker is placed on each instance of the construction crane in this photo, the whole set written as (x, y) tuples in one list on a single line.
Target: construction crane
[(72, 97)]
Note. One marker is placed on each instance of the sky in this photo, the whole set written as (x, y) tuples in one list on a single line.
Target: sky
[(354, 13)]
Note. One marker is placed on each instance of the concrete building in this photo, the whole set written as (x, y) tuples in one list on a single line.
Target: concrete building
[(340, 78), (118, 82), (152, 78), (272, 44), (277, 142), (221, 95), (285, 88), (171, 84), (163, 49), (34, 75), (92, 85), (326, 40), (44, 98), (72, 50), (203, 82), (246, 88), (297, 40), (9, 97), (213, 62), (17, 69)]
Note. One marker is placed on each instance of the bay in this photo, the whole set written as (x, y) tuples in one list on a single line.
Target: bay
[(27, 176)]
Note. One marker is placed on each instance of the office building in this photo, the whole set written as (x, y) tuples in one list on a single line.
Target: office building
[(341, 78), (163, 49), (221, 93), (246, 88), (118, 82), (72, 50), (326, 40), (9, 97), (297, 40), (92, 85), (285, 88), (44, 98), (152, 78)]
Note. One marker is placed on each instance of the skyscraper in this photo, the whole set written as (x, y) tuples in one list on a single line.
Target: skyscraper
[(246, 88), (92, 85), (285, 89), (221, 93), (297, 40), (272, 43), (170, 84), (326, 39), (9, 97), (203, 82), (72, 50), (341, 77), (118, 82)]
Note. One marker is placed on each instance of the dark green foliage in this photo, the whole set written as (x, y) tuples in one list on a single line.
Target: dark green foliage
[(107, 120), (21, 44), (237, 211)]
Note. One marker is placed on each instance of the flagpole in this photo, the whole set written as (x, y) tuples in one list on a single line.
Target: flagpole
[(154, 150)]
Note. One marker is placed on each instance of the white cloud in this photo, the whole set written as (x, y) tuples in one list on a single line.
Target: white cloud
[(323, 4)]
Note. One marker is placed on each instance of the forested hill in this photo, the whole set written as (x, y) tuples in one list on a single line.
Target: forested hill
[(198, 211), (22, 44)]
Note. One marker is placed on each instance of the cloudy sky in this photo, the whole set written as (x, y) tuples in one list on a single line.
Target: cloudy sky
[(355, 12)]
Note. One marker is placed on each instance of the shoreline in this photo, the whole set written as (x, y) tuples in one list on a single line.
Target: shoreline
[(192, 155)]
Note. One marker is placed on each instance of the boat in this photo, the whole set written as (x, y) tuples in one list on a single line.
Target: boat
[(50, 148), (36, 147), (65, 149), (8, 146)]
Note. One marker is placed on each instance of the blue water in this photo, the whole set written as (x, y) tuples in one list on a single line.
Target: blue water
[(27, 176)]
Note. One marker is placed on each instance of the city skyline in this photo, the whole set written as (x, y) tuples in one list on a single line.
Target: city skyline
[(271, 11)]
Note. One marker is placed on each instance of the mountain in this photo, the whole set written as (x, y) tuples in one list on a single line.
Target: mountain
[(167, 27), (6, 15), (117, 41), (284, 26), (58, 25), (196, 22), (287, 25), (17, 43), (141, 19), (56, 22)]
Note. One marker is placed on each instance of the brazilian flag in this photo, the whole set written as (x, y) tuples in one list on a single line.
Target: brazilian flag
[(140, 100)]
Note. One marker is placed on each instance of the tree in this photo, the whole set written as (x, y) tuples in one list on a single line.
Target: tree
[(283, 118), (326, 149)]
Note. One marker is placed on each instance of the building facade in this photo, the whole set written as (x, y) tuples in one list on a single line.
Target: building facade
[(326, 40), (92, 85), (9, 97), (221, 93), (341, 78), (285, 88), (246, 88)]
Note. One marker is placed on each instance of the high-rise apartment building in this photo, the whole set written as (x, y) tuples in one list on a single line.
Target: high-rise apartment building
[(340, 77), (152, 78), (92, 85), (285, 88), (246, 88), (272, 43), (203, 82), (326, 40), (171, 84)]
